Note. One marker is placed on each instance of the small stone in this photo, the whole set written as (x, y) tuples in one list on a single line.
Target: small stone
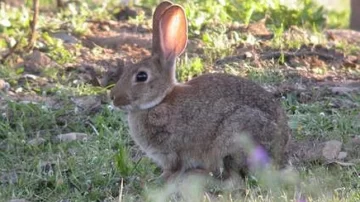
[(4, 86), (331, 149), (248, 54), (69, 137), (36, 141), (342, 155), (30, 76), (352, 58), (105, 27), (65, 37), (19, 90)]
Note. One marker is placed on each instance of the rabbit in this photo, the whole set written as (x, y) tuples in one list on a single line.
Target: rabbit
[(200, 125)]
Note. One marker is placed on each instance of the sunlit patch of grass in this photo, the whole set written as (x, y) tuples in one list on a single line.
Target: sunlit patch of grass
[(189, 68), (14, 20), (6, 72), (140, 19), (307, 14), (332, 183), (73, 18), (338, 19), (347, 48), (81, 89), (218, 44), (285, 39), (58, 52), (261, 75), (265, 75), (209, 12), (321, 120), (18, 118), (51, 72)]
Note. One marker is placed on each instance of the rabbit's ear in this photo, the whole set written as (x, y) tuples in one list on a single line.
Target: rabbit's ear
[(160, 9), (173, 33)]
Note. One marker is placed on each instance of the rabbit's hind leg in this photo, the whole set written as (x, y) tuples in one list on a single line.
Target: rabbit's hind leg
[(247, 134)]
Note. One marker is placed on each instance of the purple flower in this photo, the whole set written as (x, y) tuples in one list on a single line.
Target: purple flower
[(301, 199), (258, 158)]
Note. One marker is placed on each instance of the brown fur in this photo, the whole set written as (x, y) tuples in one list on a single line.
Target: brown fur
[(197, 125)]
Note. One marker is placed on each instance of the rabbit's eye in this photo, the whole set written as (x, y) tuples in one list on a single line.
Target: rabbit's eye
[(141, 77)]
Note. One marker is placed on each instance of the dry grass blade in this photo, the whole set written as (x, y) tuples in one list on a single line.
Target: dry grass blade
[(121, 189)]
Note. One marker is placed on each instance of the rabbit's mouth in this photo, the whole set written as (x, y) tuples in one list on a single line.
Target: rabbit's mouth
[(121, 107)]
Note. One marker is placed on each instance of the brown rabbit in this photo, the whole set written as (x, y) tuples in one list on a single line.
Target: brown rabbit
[(199, 125)]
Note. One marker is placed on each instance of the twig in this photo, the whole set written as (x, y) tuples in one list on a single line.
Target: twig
[(32, 37)]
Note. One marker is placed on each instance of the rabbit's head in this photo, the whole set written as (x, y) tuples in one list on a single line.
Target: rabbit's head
[(145, 84)]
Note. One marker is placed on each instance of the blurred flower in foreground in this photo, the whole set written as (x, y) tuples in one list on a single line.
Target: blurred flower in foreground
[(258, 158), (301, 199)]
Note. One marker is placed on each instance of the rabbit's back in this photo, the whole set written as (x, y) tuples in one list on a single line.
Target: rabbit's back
[(236, 90)]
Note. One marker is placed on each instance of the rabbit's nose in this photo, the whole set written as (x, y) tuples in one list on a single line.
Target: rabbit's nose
[(119, 98)]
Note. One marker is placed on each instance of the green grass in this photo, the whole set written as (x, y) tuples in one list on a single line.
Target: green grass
[(93, 170), (319, 121)]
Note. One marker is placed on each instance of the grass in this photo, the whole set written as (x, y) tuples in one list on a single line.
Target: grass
[(93, 169), (319, 120)]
